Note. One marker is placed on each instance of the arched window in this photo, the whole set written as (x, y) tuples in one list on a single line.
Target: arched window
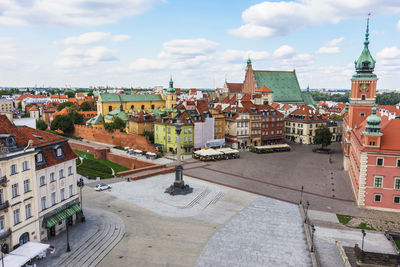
[(152, 106), (24, 238), (132, 106), (142, 107), (109, 108)]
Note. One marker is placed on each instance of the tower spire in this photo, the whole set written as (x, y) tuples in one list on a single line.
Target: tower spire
[(366, 42), (171, 82)]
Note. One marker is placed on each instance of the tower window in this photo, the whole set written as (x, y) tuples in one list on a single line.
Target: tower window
[(362, 114), (363, 97)]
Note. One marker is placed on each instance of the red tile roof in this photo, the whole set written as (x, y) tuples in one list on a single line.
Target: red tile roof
[(246, 97), (235, 87), (22, 97), (264, 89)]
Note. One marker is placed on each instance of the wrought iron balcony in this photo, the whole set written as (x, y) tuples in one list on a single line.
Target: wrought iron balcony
[(5, 233), (4, 205), (3, 181)]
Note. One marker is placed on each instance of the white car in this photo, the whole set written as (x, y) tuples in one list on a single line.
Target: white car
[(101, 187)]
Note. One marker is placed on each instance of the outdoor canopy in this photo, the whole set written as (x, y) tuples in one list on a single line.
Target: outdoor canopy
[(23, 254), (61, 214)]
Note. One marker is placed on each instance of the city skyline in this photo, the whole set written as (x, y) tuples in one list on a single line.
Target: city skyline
[(141, 43)]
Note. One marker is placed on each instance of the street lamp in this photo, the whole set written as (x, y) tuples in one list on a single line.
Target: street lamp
[(363, 236), (307, 206), (81, 184), (312, 237), (68, 247), (301, 194)]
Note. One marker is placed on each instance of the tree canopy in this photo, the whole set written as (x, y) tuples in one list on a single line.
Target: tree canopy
[(88, 106), (323, 136), (116, 124), (63, 105), (41, 125), (63, 123)]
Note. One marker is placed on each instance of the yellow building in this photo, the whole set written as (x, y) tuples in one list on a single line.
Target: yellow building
[(165, 137), (6, 105), (171, 95), (140, 123), (219, 124), (18, 203), (108, 102)]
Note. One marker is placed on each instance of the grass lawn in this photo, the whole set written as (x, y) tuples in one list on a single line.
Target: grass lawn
[(364, 226), (344, 219), (97, 168), (397, 243)]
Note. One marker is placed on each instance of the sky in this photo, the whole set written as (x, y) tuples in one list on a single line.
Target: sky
[(140, 43)]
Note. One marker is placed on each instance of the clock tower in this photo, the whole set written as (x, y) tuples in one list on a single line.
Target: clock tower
[(363, 86)]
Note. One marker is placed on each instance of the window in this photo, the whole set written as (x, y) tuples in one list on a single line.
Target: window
[(24, 166), (169, 130), (14, 190), (186, 139), (26, 186), (53, 198), (52, 179), (398, 163), (152, 106), (28, 211), (62, 196), (142, 107), (190, 138), (39, 157), (378, 182), (132, 106), (59, 152), (70, 170), (71, 190), (363, 97), (185, 130), (42, 180), (397, 183), (396, 199), (377, 197), (61, 173), (43, 203), (16, 217), (169, 138), (1, 223), (190, 130), (362, 114), (13, 169), (109, 108), (379, 161)]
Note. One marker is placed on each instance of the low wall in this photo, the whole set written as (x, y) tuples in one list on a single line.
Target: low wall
[(100, 152), (116, 138)]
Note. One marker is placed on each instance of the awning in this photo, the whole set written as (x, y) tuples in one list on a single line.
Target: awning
[(24, 253), (60, 215)]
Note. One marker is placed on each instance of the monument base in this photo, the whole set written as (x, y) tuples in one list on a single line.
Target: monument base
[(179, 189)]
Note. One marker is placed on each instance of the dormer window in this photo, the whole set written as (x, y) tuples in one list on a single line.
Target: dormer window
[(39, 158)]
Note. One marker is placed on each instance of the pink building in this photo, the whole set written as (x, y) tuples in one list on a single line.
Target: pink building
[(371, 142)]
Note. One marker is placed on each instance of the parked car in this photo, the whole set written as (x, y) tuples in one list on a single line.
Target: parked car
[(101, 187)]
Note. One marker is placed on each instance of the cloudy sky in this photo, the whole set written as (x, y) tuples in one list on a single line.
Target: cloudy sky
[(141, 42)]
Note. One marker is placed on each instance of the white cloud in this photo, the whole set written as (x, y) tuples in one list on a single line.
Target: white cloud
[(271, 18), (145, 64), (284, 51), (231, 55), (92, 37), (121, 38), (78, 57), (187, 48), (8, 44), (330, 47), (73, 12), (388, 53)]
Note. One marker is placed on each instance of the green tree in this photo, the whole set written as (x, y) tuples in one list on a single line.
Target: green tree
[(115, 125), (323, 136), (88, 106), (63, 123), (70, 93), (41, 125), (64, 105), (150, 135), (75, 116), (90, 93)]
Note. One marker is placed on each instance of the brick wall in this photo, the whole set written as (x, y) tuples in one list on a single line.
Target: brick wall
[(116, 138)]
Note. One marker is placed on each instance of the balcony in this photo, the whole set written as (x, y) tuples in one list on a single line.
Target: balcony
[(3, 181), (4, 205), (5, 233)]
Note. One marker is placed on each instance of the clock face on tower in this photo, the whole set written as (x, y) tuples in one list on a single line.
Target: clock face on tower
[(364, 87)]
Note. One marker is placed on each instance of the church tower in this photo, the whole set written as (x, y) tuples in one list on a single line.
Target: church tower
[(171, 95), (363, 86)]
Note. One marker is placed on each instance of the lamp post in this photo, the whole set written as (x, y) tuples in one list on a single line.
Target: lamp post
[(307, 206), (301, 195), (312, 237), (363, 236), (68, 247), (81, 184)]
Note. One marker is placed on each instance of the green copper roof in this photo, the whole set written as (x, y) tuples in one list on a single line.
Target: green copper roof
[(116, 112), (307, 98), (98, 119), (130, 98), (284, 84), (373, 122), (123, 116), (365, 64)]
